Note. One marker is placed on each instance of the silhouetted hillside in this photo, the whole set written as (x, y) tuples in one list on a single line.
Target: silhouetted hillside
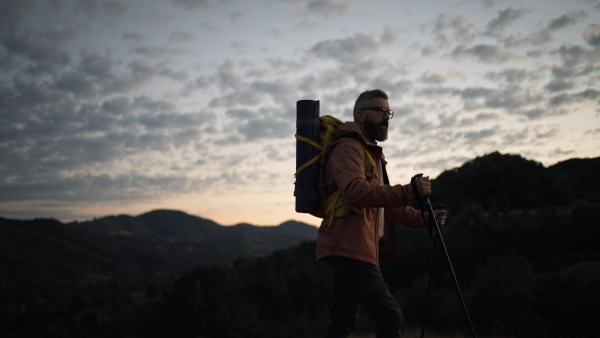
[(48, 266), (503, 181), (521, 237), (41, 256), (163, 224), (195, 240), (144, 246)]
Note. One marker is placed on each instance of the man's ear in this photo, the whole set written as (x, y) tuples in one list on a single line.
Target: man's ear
[(359, 117)]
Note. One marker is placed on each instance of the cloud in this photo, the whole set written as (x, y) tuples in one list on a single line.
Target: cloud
[(157, 51), (97, 8), (345, 48), (433, 77), (120, 101), (93, 75), (560, 152), (484, 53), (542, 35), (83, 189), (240, 15), (196, 4), (329, 78), (133, 36), (503, 19), (63, 34), (577, 62), (539, 113), (566, 20), (593, 132), (548, 133), (479, 135), (279, 90), (511, 99), (592, 35), (227, 76), (263, 127), (285, 65), (569, 99), (77, 83), (476, 92), (352, 47), (510, 75), (515, 137), (275, 153), (559, 85), (463, 29), (161, 13), (12, 13), (182, 36), (328, 8), (96, 65), (41, 55), (66, 134), (573, 55)]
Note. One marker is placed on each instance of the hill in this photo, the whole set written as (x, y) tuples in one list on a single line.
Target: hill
[(521, 238), (145, 246), (505, 181), (47, 265), (194, 240)]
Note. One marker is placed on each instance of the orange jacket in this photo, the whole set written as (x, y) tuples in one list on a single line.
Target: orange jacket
[(356, 235)]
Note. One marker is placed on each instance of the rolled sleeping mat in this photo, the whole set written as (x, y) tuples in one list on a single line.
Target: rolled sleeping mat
[(307, 180)]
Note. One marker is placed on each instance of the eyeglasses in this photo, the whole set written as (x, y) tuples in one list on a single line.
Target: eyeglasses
[(381, 111)]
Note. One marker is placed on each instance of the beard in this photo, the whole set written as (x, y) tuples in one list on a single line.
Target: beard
[(377, 131)]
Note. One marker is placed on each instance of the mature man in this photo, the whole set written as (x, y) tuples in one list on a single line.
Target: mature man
[(350, 244)]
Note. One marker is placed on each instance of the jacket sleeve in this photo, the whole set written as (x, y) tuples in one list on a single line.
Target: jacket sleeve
[(346, 167), (409, 216)]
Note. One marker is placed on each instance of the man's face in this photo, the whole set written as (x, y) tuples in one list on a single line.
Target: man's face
[(375, 124)]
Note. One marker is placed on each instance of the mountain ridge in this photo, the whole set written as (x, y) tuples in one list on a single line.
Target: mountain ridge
[(137, 247), (520, 236), (176, 241)]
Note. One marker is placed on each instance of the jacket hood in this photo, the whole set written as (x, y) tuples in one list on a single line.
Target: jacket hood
[(352, 129)]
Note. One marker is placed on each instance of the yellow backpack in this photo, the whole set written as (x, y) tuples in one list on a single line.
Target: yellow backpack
[(331, 205)]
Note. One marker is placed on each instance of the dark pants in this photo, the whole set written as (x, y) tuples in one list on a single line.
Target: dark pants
[(355, 283)]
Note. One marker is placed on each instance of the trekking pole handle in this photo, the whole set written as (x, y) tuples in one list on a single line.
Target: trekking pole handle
[(422, 202), (433, 223), (421, 199)]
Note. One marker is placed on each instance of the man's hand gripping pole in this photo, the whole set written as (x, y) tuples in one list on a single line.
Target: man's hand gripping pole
[(436, 236)]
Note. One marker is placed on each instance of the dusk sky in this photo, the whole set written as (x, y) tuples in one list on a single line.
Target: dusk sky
[(126, 106)]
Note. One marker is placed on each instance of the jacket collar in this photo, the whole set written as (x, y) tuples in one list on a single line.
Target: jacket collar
[(352, 129)]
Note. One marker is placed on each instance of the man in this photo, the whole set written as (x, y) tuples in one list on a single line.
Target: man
[(350, 244)]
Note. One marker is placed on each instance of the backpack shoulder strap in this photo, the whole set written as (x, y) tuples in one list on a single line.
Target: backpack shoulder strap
[(368, 156), (336, 206)]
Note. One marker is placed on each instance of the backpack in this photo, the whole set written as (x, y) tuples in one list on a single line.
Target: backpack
[(327, 205)]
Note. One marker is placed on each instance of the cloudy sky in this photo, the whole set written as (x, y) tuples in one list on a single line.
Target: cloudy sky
[(124, 106)]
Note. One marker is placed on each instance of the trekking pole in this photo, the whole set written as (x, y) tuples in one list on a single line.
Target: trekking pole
[(436, 234), (432, 235)]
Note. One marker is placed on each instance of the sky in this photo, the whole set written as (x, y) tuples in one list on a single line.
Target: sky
[(112, 107)]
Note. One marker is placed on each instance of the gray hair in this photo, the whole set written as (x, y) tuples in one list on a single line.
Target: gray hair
[(367, 96)]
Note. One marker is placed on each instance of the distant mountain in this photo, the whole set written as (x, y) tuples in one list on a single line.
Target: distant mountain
[(140, 247), (198, 240)]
